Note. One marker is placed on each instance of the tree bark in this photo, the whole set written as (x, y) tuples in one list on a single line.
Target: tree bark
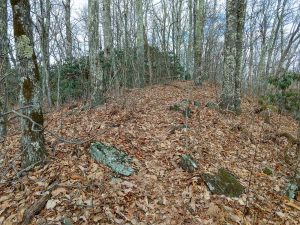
[(108, 44), (96, 71), (44, 27), (235, 19), (67, 6), (140, 43), (32, 141), (4, 64), (199, 23)]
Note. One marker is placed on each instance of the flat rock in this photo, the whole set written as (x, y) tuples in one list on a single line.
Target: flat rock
[(117, 160)]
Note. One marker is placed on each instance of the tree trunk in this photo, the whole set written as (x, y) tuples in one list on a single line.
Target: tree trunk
[(189, 57), (96, 71), (235, 19), (33, 150), (67, 6), (140, 43), (108, 43), (44, 25), (4, 64), (199, 23)]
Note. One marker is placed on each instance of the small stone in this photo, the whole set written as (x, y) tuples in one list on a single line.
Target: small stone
[(267, 171), (187, 163), (66, 221), (280, 214), (291, 190)]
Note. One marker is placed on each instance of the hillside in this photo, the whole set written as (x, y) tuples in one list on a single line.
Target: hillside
[(160, 192)]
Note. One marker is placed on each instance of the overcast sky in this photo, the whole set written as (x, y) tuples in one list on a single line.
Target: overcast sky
[(79, 3)]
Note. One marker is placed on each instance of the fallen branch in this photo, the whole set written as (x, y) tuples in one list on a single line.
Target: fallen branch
[(39, 205), (35, 208)]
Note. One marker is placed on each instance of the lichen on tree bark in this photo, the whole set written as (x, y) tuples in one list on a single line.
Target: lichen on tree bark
[(235, 18), (32, 141)]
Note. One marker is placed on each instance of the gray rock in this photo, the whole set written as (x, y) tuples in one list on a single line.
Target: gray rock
[(223, 183), (118, 161), (187, 163), (66, 221), (291, 190)]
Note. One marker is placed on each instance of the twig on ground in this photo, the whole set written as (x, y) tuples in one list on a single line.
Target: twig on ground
[(38, 205)]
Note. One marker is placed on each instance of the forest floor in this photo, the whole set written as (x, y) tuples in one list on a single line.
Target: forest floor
[(160, 192)]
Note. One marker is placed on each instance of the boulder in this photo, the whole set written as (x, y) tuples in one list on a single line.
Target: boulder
[(223, 183), (117, 160)]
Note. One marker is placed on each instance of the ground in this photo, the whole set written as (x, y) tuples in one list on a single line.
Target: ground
[(141, 123)]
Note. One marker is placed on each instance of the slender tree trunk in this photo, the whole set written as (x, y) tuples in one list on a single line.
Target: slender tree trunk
[(33, 149), (4, 64), (199, 23), (44, 25), (96, 71), (140, 43), (108, 44), (190, 43), (67, 6)]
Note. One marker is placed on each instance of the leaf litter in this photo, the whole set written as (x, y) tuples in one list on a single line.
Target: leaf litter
[(160, 191)]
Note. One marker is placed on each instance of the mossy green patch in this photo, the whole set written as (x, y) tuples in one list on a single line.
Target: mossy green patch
[(268, 171), (223, 183)]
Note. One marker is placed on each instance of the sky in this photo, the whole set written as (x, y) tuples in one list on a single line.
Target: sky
[(77, 4)]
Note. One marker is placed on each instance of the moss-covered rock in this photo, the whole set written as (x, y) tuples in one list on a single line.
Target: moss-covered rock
[(268, 171), (118, 161), (223, 183)]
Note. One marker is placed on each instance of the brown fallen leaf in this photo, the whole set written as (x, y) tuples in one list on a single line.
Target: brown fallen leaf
[(292, 204), (58, 191)]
